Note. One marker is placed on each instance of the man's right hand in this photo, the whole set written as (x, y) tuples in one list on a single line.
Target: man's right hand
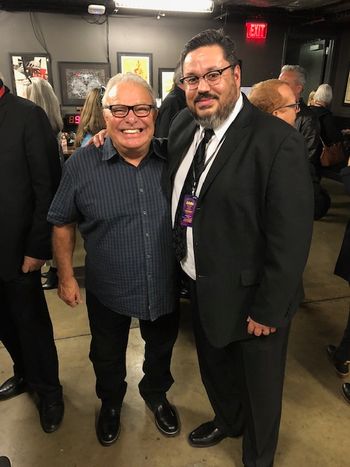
[(69, 292), (98, 139)]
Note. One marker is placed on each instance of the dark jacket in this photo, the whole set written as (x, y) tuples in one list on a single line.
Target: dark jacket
[(253, 223), (29, 175), (307, 124), (329, 132), (172, 104), (342, 267)]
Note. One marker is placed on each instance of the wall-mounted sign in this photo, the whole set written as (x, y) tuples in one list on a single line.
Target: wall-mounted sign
[(256, 31)]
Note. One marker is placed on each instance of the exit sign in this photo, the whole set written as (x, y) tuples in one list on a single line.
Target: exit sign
[(256, 30)]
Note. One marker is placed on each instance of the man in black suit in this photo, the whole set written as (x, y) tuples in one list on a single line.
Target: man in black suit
[(242, 230), (29, 171)]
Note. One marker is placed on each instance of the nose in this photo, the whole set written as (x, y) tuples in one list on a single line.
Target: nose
[(203, 85), (130, 117)]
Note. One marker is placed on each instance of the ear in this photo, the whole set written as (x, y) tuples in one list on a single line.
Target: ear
[(275, 113)]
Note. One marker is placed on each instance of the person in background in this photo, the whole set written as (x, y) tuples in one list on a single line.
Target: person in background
[(114, 194), (91, 117), (30, 172), (310, 100), (339, 355), (41, 93), (329, 132), (172, 104), (307, 124), (242, 216)]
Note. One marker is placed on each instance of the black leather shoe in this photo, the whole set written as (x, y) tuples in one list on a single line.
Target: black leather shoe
[(51, 415), (206, 435), (51, 280), (346, 391), (342, 368), (5, 461), (165, 417), (12, 387), (108, 425)]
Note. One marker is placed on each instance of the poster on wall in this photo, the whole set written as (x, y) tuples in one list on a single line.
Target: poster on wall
[(139, 63), (78, 78), (165, 81), (347, 90), (25, 66)]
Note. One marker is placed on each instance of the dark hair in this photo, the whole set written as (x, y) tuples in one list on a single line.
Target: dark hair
[(211, 37)]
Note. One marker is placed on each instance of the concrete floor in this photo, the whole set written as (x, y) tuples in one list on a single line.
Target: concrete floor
[(315, 423)]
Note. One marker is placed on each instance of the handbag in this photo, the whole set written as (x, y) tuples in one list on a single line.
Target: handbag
[(332, 155)]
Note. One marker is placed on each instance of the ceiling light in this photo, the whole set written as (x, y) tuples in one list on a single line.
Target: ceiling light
[(188, 6), (96, 9)]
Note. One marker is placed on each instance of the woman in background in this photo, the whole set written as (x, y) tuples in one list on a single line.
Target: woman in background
[(91, 117), (41, 93)]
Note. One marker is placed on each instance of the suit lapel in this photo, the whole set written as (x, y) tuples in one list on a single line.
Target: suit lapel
[(235, 136), (183, 142)]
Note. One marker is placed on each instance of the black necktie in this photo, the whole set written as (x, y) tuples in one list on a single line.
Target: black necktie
[(196, 169)]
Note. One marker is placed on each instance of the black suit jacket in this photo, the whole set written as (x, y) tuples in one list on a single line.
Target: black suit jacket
[(29, 175), (342, 267), (253, 224)]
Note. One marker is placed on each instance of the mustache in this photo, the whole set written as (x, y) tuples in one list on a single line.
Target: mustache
[(204, 95)]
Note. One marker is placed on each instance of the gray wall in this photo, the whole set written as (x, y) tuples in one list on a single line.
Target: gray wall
[(70, 38)]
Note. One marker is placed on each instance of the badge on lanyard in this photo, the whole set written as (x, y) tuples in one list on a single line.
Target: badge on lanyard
[(188, 210)]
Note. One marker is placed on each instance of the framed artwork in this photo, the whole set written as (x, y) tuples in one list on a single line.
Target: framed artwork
[(139, 63), (165, 81), (347, 90), (25, 66), (78, 78)]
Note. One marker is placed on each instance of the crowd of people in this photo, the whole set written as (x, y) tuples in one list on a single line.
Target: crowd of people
[(145, 207)]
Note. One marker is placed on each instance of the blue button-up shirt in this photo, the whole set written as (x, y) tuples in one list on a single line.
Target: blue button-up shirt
[(124, 218)]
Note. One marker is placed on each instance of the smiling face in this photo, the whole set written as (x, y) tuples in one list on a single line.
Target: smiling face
[(131, 135), (211, 104)]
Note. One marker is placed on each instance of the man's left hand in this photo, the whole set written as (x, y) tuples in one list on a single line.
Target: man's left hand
[(259, 329), (32, 264)]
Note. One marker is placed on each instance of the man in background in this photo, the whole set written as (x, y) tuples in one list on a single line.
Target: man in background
[(29, 175), (307, 124)]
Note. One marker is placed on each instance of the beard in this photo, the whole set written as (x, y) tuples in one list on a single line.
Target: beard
[(214, 120)]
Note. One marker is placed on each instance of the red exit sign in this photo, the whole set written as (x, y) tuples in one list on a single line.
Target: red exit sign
[(256, 30)]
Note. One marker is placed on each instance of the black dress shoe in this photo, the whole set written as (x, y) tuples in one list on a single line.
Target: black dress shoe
[(51, 280), (51, 415), (5, 461), (165, 417), (346, 391), (206, 435), (108, 425), (12, 387), (342, 368)]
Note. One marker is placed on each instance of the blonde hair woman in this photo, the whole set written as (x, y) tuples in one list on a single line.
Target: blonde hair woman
[(91, 117)]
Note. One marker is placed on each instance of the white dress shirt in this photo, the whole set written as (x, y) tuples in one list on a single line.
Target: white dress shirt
[(188, 263)]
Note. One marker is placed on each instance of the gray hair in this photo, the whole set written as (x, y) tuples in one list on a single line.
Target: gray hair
[(127, 78), (298, 70), (40, 92), (324, 94)]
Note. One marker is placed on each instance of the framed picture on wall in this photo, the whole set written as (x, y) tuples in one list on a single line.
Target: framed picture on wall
[(25, 66), (347, 90), (78, 78), (165, 81), (139, 63)]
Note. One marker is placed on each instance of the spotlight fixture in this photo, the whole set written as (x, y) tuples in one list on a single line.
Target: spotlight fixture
[(96, 9), (186, 6)]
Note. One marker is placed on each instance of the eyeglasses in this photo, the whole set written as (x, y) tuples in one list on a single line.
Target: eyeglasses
[(212, 77), (121, 111), (295, 106)]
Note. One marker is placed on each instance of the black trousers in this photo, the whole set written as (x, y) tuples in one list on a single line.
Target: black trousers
[(343, 351), (109, 339), (26, 332), (244, 383)]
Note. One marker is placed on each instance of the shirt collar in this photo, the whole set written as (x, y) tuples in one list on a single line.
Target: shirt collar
[(221, 130), (157, 148)]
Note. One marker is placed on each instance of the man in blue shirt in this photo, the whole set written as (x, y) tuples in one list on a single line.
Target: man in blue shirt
[(114, 194)]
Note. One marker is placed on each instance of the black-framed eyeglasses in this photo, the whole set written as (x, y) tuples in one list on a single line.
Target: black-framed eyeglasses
[(295, 106), (121, 111), (211, 77)]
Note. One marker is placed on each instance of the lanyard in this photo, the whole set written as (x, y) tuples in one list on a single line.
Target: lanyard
[(196, 177)]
